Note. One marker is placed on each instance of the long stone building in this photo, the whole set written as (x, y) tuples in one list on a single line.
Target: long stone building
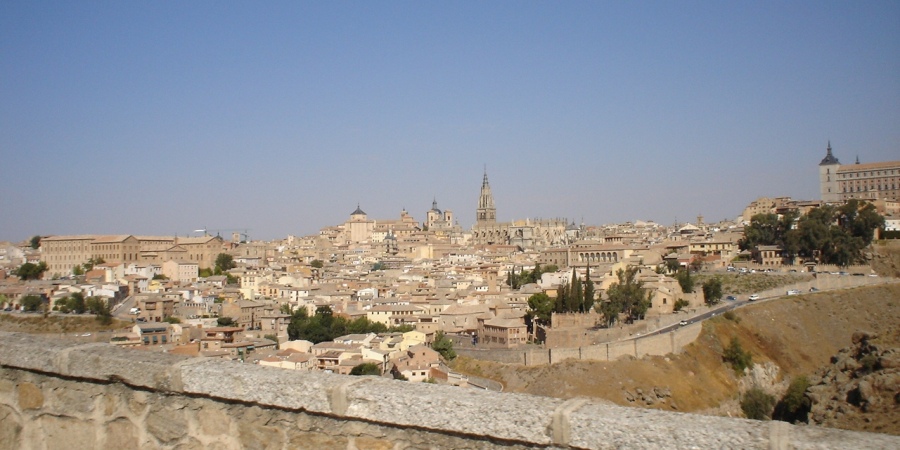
[(63, 253), (872, 181)]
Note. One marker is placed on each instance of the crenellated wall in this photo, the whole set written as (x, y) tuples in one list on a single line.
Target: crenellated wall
[(63, 395)]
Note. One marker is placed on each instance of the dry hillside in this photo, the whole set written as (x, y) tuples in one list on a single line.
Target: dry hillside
[(799, 334), (886, 258), (55, 324)]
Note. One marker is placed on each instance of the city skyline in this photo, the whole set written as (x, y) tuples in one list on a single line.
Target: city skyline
[(160, 119)]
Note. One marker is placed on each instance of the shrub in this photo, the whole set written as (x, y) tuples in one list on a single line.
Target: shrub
[(730, 315), (681, 304), (757, 404), (737, 356), (795, 405)]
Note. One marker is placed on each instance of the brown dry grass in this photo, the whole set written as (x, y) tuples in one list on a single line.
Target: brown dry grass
[(800, 334), (55, 324)]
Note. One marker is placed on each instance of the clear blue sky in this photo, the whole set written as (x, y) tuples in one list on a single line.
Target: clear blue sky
[(164, 117)]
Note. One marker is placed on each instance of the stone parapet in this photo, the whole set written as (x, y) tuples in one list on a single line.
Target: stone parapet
[(56, 394)]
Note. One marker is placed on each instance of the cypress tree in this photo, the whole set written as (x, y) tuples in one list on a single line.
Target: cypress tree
[(588, 291)]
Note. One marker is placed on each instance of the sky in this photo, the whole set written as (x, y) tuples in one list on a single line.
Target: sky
[(160, 118)]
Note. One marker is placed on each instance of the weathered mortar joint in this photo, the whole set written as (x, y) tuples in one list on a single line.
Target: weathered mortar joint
[(337, 396), (779, 435), (560, 430)]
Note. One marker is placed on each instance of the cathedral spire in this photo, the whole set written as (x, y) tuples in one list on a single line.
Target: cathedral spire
[(486, 212)]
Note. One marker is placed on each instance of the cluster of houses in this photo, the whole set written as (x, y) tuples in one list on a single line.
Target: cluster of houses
[(429, 277)]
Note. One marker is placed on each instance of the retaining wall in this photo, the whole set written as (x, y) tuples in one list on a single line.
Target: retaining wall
[(62, 395), (657, 345)]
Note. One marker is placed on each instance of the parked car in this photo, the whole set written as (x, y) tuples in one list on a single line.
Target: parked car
[(753, 297), (813, 289), (793, 292), (731, 298)]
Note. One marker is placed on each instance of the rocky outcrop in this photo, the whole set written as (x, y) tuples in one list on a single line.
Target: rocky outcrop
[(861, 386), (650, 397)]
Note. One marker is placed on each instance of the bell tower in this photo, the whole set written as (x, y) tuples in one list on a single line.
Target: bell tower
[(486, 212)]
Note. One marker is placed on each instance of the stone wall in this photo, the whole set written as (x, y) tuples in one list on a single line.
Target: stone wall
[(63, 395), (656, 345)]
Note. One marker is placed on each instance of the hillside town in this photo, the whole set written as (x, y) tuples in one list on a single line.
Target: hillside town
[(402, 288)]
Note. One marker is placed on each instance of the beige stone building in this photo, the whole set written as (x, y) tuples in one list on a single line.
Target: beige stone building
[(63, 253), (871, 181), (526, 234)]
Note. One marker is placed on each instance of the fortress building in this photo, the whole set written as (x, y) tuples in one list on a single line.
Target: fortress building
[(870, 181)]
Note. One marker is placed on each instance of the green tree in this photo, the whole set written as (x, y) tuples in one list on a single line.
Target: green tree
[(672, 265), (685, 280), (562, 298), (317, 264), (540, 308), (77, 270), (31, 271), (366, 369), (224, 263), (712, 290), (737, 356), (31, 303), (795, 405), (205, 272), (76, 303), (443, 345), (91, 262), (35, 242), (172, 319), (588, 292), (535, 275), (225, 322), (680, 304), (575, 300), (628, 294), (757, 404)]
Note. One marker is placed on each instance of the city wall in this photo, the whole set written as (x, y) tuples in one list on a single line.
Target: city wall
[(657, 345), (62, 395)]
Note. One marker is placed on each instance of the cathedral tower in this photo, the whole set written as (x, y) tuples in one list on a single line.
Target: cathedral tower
[(486, 212)]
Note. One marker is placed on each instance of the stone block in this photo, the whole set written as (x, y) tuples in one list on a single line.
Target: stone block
[(607, 426), (10, 426), (214, 420), (505, 416), (166, 422), (26, 351), (105, 362), (67, 432), (368, 443), (261, 385), (120, 434), (30, 396), (298, 439)]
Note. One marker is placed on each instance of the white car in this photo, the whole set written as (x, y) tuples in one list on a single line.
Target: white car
[(754, 297), (682, 323), (793, 292)]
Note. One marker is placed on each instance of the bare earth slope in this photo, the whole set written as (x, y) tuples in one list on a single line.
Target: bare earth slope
[(799, 334)]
